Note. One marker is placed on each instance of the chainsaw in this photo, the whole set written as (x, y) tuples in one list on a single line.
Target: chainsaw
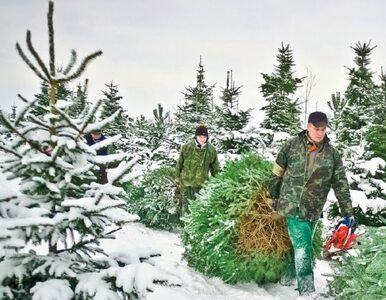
[(343, 237)]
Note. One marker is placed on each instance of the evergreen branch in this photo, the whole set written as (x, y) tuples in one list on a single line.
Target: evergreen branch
[(22, 98), (82, 67), (29, 64), (39, 122), (9, 125), (82, 244), (11, 151), (67, 119), (99, 198), (51, 36), (88, 118), (22, 113), (36, 55), (85, 87), (128, 167), (71, 63)]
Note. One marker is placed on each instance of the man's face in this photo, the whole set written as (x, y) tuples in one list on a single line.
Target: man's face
[(316, 133), (95, 135), (201, 139)]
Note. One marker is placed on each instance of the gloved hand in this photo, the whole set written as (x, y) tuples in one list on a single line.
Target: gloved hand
[(349, 222), (272, 203)]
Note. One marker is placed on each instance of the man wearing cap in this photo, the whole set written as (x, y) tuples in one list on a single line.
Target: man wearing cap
[(95, 137), (305, 170), (197, 158)]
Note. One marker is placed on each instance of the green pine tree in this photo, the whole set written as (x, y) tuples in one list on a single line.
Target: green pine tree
[(336, 104), (43, 97), (359, 134), (362, 96), (230, 131), (282, 113), (59, 208), (197, 108), (80, 106), (110, 105)]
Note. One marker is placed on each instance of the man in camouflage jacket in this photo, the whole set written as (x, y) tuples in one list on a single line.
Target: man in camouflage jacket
[(197, 158), (306, 168)]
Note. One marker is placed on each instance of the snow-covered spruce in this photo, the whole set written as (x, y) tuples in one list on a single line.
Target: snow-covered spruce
[(221, 235), (156, 199), (54, 216), (361, 273)]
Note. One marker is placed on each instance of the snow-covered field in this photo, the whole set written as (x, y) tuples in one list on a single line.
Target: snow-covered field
[(194, 284)]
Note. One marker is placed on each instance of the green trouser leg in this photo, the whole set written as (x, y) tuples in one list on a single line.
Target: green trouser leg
[(189, 195), (300, 233)]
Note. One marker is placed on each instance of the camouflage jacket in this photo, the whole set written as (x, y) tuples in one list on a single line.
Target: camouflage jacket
[(195, 162), (301, 192)]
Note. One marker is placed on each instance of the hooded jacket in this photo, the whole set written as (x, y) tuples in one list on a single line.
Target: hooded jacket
[(300, 189), (195, 162)]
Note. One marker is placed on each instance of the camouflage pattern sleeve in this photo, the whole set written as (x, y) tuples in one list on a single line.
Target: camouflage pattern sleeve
[(274, 184), (180, 162), (340, 185), (215, 166)]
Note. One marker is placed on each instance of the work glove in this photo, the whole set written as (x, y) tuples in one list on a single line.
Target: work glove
[(272, 203), (350, 222)]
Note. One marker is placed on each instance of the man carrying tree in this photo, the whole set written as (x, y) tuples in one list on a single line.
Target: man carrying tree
[(197, 158), (306, 168), (95, 137)]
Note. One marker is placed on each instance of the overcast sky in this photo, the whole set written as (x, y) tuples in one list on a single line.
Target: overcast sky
[(152, 47)]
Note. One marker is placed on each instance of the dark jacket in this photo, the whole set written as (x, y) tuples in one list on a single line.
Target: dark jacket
[(195, 162), (90, 142), (300, 190)]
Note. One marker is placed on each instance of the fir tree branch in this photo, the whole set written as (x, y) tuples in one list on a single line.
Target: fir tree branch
[(81, 68), (11, 151), (36, 55), (89, 118), (39, 122), (82, 244), (99, 198), (71, 63), (9, 125), (29, 64), (22, 112), (51, 36), (22, 98), (67, 119)]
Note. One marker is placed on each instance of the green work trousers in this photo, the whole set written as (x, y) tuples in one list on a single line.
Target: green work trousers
[(188, 195), (301, 233)]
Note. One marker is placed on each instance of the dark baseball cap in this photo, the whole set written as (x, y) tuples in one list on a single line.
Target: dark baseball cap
[(318, 119)]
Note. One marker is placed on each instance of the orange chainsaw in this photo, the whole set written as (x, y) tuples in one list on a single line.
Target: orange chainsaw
[(343, 237)]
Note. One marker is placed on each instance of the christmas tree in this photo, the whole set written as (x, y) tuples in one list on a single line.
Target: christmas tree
[(282, 113), (358, 120), (58, 210), (231, 132), (196, 109)]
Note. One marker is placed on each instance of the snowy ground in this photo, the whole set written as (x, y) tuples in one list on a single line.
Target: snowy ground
[(195, 285)]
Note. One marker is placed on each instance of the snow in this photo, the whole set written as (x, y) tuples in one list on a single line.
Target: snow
[(374, 165), (360, 199), (136, 238), (58, 289)]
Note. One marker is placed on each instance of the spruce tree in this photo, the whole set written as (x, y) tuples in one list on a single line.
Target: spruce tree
[(282, 113), (336, 104), (80, 106), (110, 106), (231, 132), (362, 97), (58, 205), (357, 134), (43, 97), (197, 108)]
